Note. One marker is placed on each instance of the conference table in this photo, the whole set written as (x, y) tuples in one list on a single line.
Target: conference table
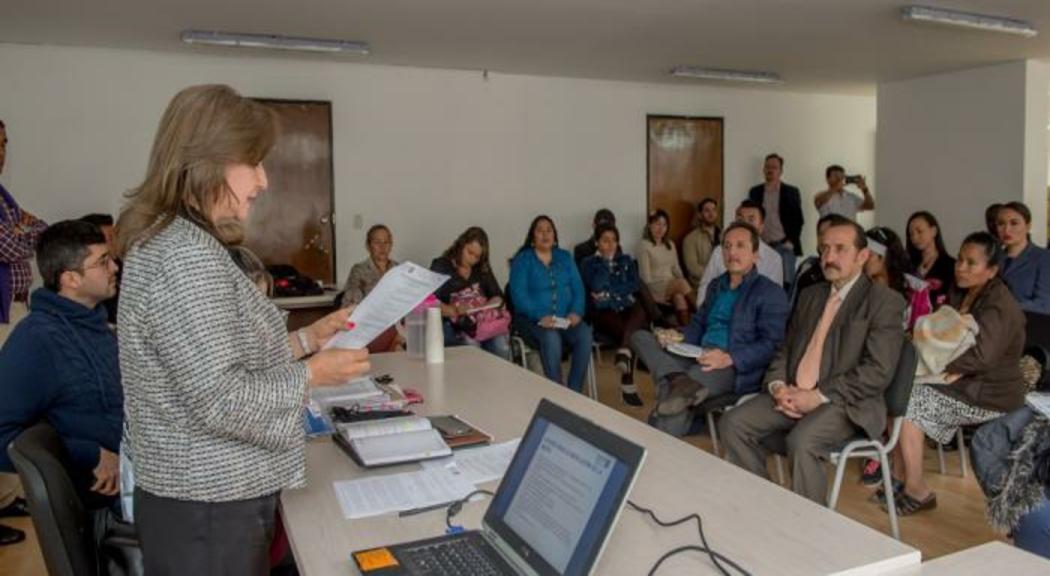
[(758, 524), (990, 558)]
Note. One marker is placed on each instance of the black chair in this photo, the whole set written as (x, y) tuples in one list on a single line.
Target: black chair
[(1037, 345), (897, 396), (74, 540)]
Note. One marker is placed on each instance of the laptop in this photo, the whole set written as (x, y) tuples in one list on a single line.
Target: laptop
[(552, 513)]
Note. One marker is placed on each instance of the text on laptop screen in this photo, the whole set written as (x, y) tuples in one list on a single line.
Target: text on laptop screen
[(558, 494)]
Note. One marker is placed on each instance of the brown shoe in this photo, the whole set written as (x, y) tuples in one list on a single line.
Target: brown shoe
[(685, 392)]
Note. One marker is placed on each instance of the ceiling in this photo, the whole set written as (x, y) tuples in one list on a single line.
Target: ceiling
[(844, 46)]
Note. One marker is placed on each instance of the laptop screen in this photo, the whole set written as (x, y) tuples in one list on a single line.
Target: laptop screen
[(563, 491)]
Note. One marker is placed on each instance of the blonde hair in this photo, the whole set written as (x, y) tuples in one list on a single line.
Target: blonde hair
[(204, 129)]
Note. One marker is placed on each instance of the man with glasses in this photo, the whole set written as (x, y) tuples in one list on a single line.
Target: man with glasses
[(60, 364)]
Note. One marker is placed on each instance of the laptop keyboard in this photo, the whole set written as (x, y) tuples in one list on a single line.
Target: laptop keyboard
[(464, 556)]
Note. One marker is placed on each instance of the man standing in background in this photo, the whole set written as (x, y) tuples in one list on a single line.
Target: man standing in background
[(836, 200), (784, 220), (19, 231)]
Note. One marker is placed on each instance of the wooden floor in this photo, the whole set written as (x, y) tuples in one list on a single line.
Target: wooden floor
[(958, 522)]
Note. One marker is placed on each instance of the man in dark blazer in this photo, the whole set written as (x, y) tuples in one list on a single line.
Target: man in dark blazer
[(826, 383), (784, 220)]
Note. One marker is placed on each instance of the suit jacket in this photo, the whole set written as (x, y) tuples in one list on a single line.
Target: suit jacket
[(991, 373), (1028, 277), (860, 353), (790, 211)]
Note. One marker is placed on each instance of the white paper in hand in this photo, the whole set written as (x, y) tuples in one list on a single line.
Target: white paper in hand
[(399, 291)]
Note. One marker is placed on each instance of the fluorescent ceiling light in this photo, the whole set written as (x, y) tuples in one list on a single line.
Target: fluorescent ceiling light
[(968, 20), (726, 75), (273, 41)]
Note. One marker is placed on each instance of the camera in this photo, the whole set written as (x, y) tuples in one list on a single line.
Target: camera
[(853, 179)]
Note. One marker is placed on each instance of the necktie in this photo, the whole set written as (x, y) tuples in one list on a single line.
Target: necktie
[(809, 366)]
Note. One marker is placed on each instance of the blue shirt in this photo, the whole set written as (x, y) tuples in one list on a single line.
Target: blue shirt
[(538, 289), (616, 280), (720, 316)]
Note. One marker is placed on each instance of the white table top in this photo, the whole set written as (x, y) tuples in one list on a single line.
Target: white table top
[(758, 524), (297, 302), (993, 558)]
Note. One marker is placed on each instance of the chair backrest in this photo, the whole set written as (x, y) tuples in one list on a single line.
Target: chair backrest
[(898, 394), (59, 518), (1037, 330)]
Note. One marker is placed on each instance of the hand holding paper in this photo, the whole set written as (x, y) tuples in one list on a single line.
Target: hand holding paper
[(399, 291)]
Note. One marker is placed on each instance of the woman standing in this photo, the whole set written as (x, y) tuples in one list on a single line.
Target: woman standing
[(929, 259), (471, 284), (214, 383), (1026, 269), (549, 301), (659, 269)]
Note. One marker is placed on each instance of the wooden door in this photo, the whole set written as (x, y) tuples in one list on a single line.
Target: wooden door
[(685, 166), (291, 223)]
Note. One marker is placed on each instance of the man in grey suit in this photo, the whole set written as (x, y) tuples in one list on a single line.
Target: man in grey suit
[(826, 382)]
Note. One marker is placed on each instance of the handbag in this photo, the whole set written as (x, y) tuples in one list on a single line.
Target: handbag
[(483, 324)]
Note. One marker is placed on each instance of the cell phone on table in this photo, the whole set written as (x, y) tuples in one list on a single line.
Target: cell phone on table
[(451, 427)]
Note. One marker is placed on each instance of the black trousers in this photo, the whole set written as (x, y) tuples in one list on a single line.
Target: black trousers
[(180, 537)]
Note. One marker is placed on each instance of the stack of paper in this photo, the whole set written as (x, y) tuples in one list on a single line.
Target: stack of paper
[(439, 482), (478, 465), (377, 495)]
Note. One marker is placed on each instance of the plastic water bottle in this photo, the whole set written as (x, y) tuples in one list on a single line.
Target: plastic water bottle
[(416, 328)]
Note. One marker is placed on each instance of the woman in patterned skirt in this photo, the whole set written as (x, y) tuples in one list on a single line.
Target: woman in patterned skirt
[(982, 384)]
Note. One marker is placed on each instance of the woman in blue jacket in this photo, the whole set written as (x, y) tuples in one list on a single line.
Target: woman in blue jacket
[(1027, 267), (613, 303), (549, 300)]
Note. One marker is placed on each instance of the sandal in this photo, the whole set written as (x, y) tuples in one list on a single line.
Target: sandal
[(879, 497), (906, 505)]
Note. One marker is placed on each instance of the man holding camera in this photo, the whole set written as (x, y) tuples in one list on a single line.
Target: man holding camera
[(836, 200)]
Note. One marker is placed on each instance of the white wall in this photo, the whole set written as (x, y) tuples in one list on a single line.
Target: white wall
[(426, 151), (955, 143)]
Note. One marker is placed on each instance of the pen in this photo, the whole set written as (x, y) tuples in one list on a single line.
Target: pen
[(422, 509)]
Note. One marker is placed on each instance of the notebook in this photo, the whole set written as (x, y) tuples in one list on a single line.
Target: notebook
[(406, 439), (391, 441)]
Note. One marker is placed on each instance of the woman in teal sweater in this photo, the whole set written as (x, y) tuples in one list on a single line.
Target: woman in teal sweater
[(549, 301)]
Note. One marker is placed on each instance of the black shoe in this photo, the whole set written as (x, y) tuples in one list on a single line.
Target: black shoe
[(623, 360), (628, 391), (871, 474), (18, 508), (9, 535)]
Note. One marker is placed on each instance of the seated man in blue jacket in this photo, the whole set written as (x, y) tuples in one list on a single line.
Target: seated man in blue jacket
[(60, 364), (739, 327)]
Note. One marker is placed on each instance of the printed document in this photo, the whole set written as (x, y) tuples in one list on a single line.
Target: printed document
[(375, 495), (399, 291)]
